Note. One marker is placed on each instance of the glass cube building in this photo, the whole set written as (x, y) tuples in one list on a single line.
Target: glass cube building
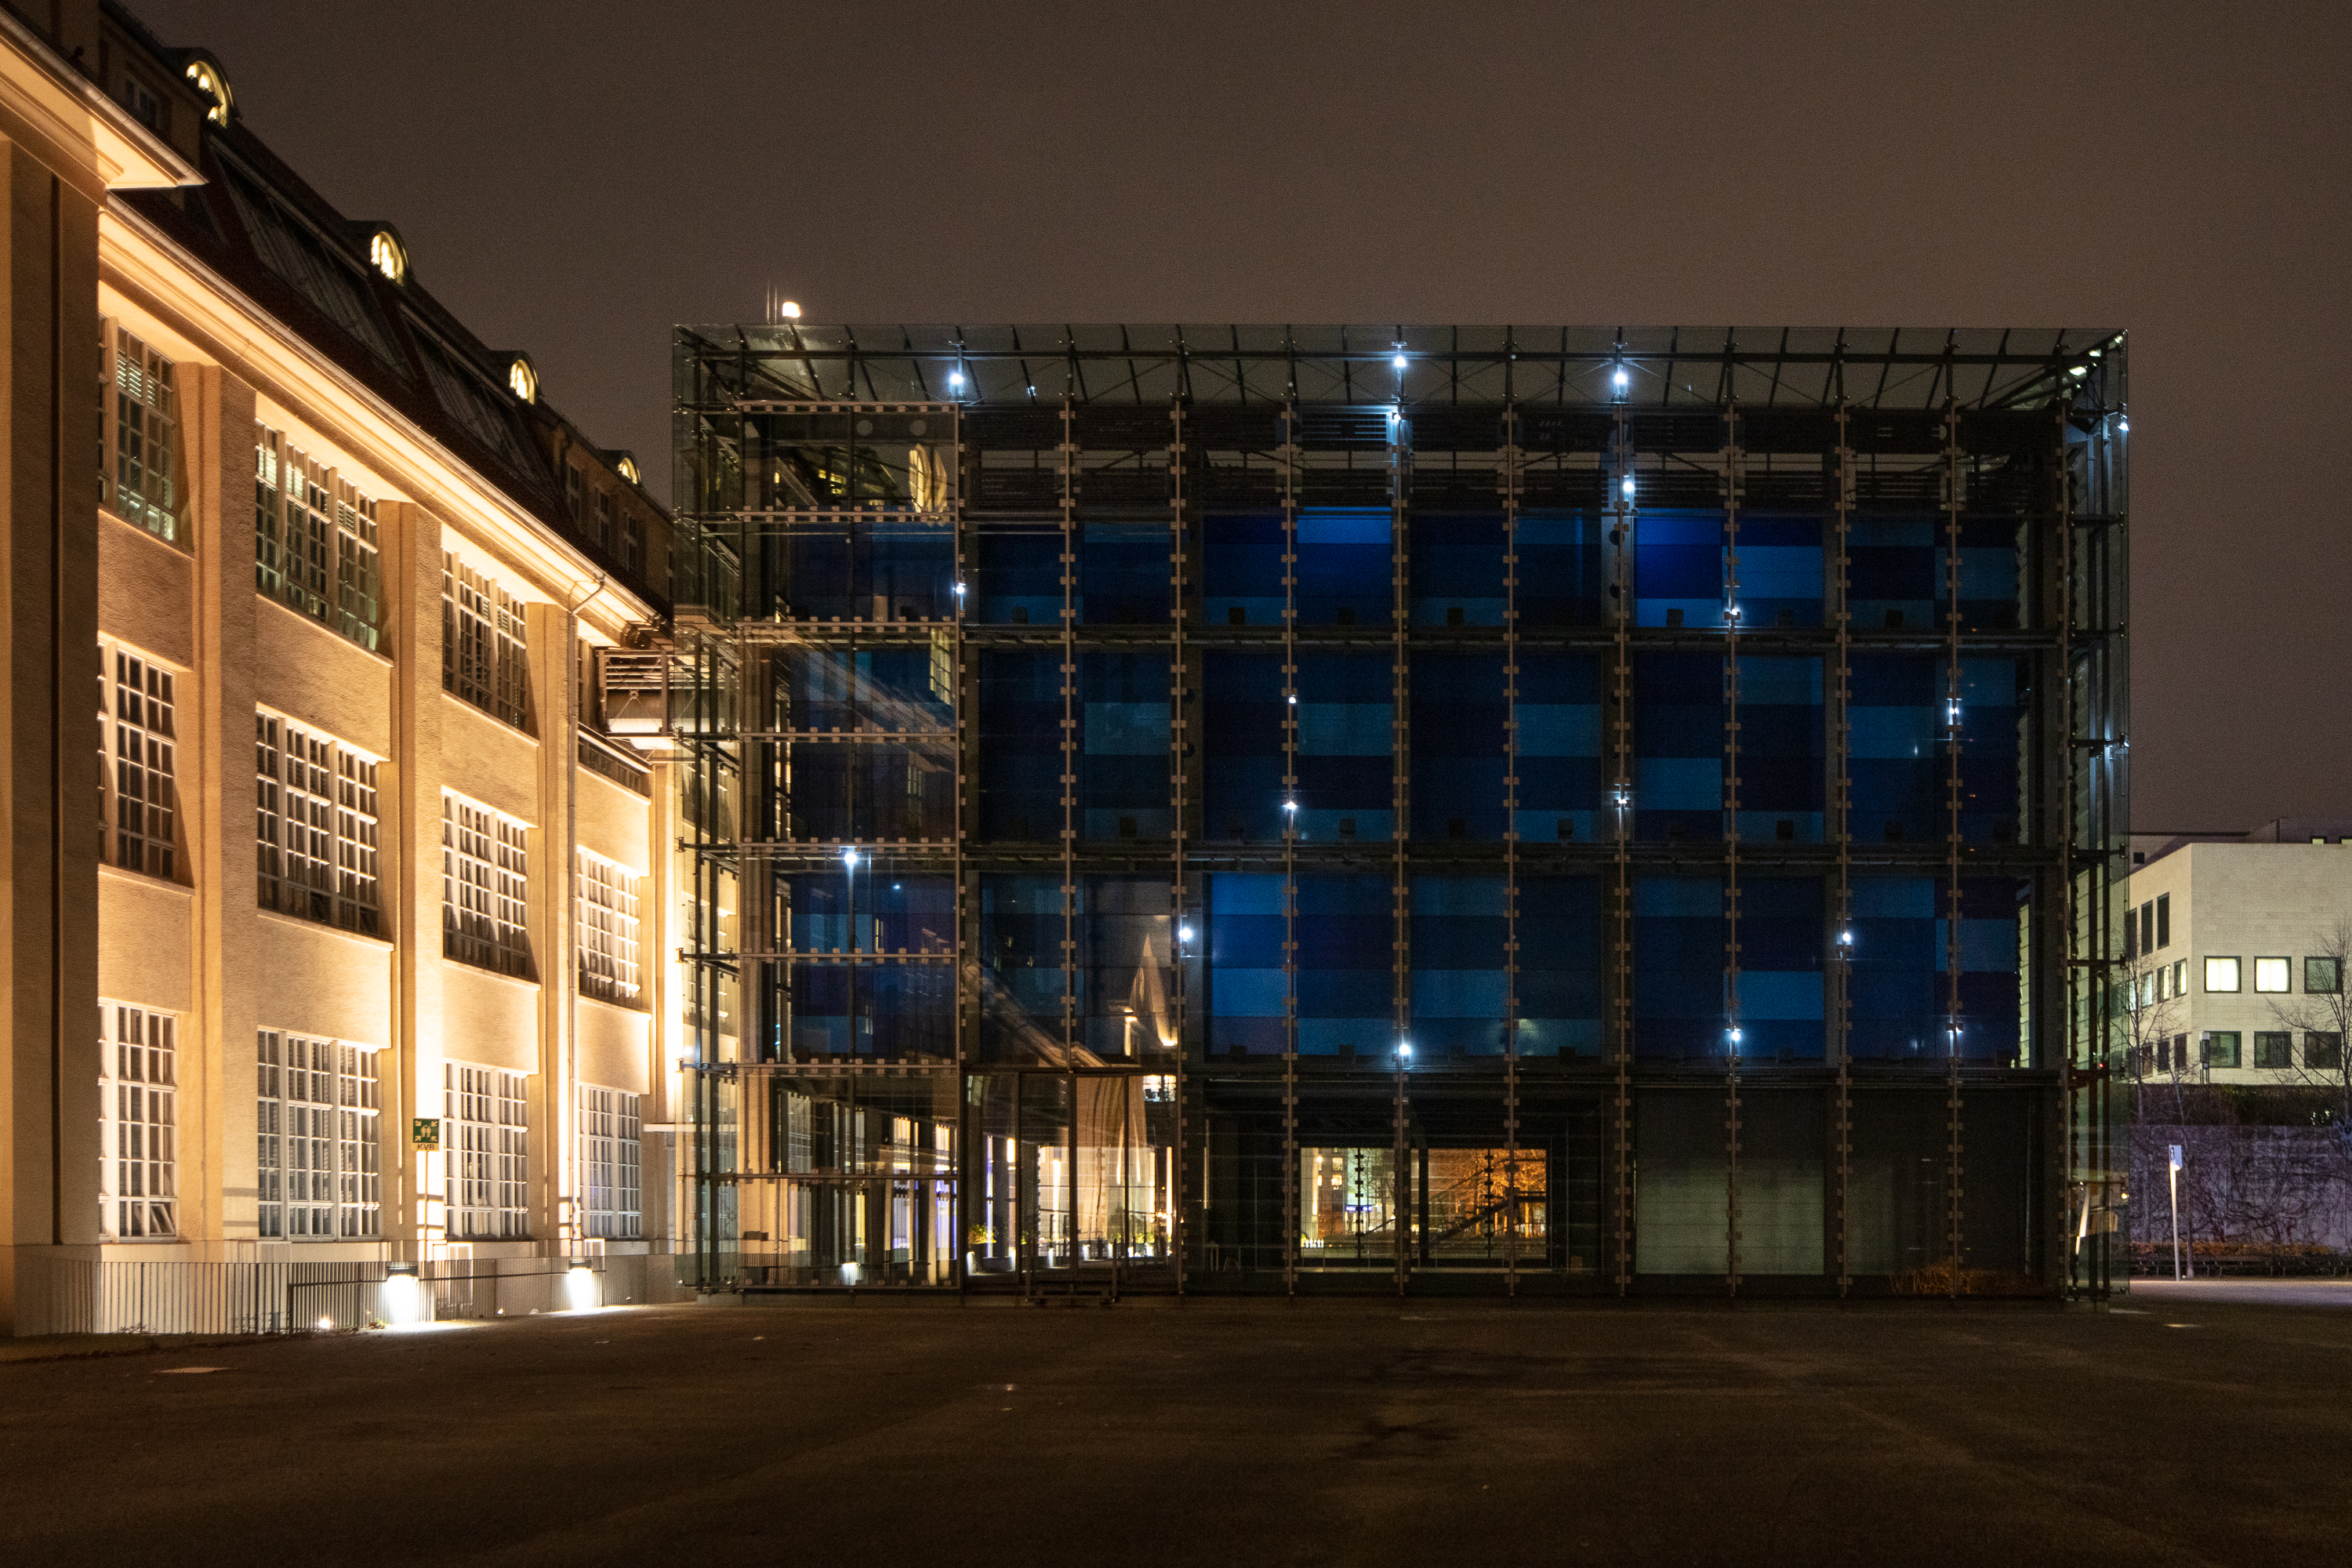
[(1526, 810)]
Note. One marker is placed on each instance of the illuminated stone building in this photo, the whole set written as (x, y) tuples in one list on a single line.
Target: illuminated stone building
[(332, 906), (1525, 810)]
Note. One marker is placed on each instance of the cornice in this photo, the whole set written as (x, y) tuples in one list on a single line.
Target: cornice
[(138, 257), (80, 132)]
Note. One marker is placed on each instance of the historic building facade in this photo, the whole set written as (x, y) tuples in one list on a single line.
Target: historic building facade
[(333, 911)]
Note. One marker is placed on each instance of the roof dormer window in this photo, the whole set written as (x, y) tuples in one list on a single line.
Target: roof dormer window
[(388, 255), (209, 79), (524, 379)]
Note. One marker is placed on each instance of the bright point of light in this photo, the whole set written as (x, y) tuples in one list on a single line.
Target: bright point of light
[(789, 311), (1294, 699), (1846, 938), (959, 590), (1621, 378), (1183, 933), (2079, 369), (2126, 426), (326, 1323), (1399, 361), (1628, 486), (1404, 1047), (1734, 1037), (580, 1292), (955, 378), (894, 887), (849, 857), (1290, 806)]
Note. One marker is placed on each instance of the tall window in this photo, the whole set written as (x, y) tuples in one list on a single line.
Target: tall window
[(612, 1202), (605, 910), (137, 739), (486, 1139), (484, 653), (138, 1094), (484, 888), (314, 540), (321, 1173), (141, 423), (315, 804)]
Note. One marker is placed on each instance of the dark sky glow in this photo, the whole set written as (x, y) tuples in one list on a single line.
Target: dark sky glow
[(574, 178)]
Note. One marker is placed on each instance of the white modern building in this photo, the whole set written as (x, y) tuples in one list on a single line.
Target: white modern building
[(2235, 953)]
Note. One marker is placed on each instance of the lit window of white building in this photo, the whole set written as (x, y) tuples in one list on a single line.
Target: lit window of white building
[(321, 1154), (138, 1109), (486, 1144)]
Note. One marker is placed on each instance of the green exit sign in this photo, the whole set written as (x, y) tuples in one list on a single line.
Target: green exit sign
[(425, 1132)]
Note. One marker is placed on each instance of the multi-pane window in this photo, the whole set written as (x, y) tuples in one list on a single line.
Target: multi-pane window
[(600, 530), (485, 888), (484, 653), (137, 740), (138, 1091), (315, 547), (487, 1142), (315, 809), (612, 1203), (605, 911), (140, 422), (321, 1155), (2220, 975), (2271, 974)]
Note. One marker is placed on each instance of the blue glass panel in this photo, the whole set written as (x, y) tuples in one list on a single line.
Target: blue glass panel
[(1242, 722), (1457, 569), (1678, 735), (1460, 992), (1345, 566), (1994, 693), (1781, 768), (1018, 579), (1990, 908), (894, 690), (1561, 951), (869, 911), (1021, 929), (1991, 548), (1459, 743), (1895, 763), (1246, 988), (1894, 573), (1561, 583), (1782, 943), (891, 1013), (1345, 935), (1123, 573), (1123, 761), (1559, 770), (1346, 740), (1241, 568), (1780, 570), (1678, 952), (1894, 969), (1678, 568), (1020, 746)]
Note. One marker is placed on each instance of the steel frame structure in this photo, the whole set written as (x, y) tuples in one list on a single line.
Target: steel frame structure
[(1053, 430)]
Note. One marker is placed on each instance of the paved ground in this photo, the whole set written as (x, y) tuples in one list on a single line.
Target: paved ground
[(2182, 1430)]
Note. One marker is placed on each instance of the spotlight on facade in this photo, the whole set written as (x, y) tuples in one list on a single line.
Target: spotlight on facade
[(325, 1323), (580, 1291), (400, 1298)]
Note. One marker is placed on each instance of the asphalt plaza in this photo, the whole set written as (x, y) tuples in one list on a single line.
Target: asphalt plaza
[(2188, 1425)]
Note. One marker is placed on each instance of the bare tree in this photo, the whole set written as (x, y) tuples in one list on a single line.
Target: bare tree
[(2152, 1012), (2320, 1011)]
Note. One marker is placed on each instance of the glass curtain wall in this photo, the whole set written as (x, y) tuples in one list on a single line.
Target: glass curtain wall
[(1510, 810)]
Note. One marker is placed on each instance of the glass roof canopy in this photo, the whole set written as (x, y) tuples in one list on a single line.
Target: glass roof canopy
[(1664, 367)]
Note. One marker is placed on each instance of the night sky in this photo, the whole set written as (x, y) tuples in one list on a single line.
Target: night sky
[(574, 178)]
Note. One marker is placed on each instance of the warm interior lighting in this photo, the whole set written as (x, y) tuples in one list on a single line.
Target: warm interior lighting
[(524, 379), (387, 255), (790, 310), (209, 80), (628, 470)]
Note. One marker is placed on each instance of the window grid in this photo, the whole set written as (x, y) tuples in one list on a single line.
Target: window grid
[(315, 540), (485, 888), (138, 485), (605, 911), (138, 1096), (488, 1156), (484, 648), (320, 1151), (316, 825), (137, 741), (612, 1203)]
